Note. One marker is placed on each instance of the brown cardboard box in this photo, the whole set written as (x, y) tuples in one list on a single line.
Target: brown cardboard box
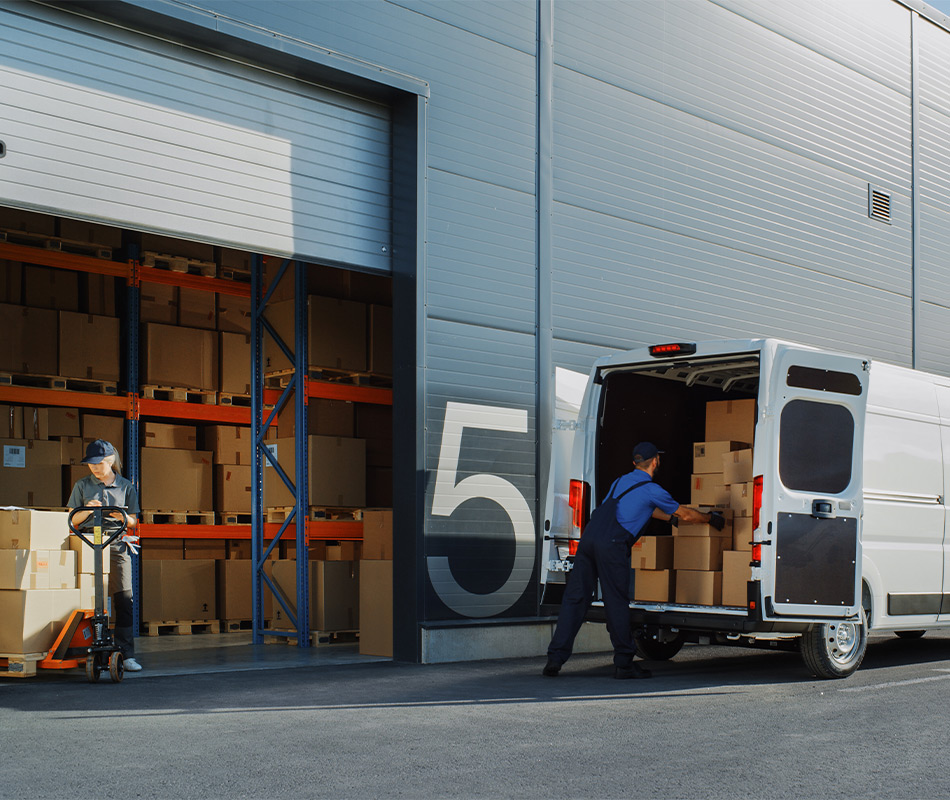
[(696, 553), (84, 556), (344, 551), (707, 456), (379, 487), (24, 569), (737, 466), (374, 424), (73, 452), (378, 533), (234, 313), (16, 219), (11, 422), (45, 287), (235, 360), (238, 260), (62, 568), (100, 426), (86, 584), (337, 472), (240, 549), (161, 549), (336, 334), (736, 573), (11, 282), (742, 533), (730, 420), (30, 473), (316, 550), (653, 586), (709, 490), (88, 346), (27, 621), (99, 293), (30, 341), (232, 488), (36, 422), (71, 474), (324, 418), (175, 591), (197, 309), (234, 591), (176, 480), (376, 608), (334, 594), (206, 548), (650, 552), (230, 444), (161, 434), (169, 246), (186, 357), (741, 499), (63, 422), (380, 340), (697, 588), (158, 303), (90, 232)]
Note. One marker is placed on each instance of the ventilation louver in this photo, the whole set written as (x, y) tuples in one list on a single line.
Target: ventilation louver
[(879, 204)]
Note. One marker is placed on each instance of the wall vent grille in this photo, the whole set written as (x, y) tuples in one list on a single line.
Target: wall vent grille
[(879, 204)]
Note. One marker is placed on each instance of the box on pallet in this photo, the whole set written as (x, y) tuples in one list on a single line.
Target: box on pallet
[(695, 552), (30, 473), (707, 456), (230, 444), (651, 552), (159, 550), (32, 618), (63, 422), (232, 488), (11, 281), (376, 607), (337, 475), (334, 594), (71, 474), (45, 287), (178, 591), (62, 569), (234, 591), (378, 533), (737, 466), (709, 490), (336, 334), (653, 585), (90, 232), (698, 588), (30, 341), (235, 363), (173, 246), (88, 347), (736, 573), (158, 303), (87, 591), (324, 418), (197, 309), (185, 357), (161, 434), (25, 569), (206, 548), (36, 422), (11, 422), (730, 420), (15, 219), (374, 424), (72, 450), (234, 313), (176, 480), (99, 294)]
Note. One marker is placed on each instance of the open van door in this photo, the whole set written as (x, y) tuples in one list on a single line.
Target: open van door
[(812, 504)]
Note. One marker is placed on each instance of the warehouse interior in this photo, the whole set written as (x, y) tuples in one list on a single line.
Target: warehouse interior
[(145, 340)]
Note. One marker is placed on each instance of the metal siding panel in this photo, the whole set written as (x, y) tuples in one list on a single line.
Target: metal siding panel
[(150, 136), (481, 253), (508, 22), (933, 353), (714, 64)]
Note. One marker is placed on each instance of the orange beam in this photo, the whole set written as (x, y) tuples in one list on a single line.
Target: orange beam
[(202, 412), (220, 285), (61, 397), (56, 258), (332, 530), (339, 391)]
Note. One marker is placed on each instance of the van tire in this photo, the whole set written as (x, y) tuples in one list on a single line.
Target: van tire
[(910, 634), (653, 650), (835, 649)]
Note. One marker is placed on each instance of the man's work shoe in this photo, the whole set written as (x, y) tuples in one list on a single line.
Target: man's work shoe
[(633, 671), (131, 665), (551, 669)]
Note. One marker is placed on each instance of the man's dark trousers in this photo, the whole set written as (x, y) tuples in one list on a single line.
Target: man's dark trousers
[(605, 555)]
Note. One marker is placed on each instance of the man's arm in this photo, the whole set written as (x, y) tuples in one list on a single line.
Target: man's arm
[(686, 516)]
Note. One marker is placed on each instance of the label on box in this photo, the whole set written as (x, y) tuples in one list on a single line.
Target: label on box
[(273, 452), (14, 456)]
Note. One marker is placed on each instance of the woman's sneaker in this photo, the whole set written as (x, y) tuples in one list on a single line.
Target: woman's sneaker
[(131, 665)]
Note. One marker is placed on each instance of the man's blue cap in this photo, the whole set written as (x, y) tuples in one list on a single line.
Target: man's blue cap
[(645, 451), (98, 450)]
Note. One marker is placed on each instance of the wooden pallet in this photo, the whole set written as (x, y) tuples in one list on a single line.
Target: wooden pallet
[(15, 665), (58, 382), (179, 394), (231, 399), (172, 263), (178, 517), (185, 627), (56, 243), (279, 379), (235, 517), (233, 274), (316, 513), (237, 625), (317, 638)]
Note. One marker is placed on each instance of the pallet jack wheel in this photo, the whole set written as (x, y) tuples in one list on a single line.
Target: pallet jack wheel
[(92, 668), (116, 667)]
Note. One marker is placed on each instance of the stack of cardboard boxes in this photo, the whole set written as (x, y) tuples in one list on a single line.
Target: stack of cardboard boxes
[(376, 584)]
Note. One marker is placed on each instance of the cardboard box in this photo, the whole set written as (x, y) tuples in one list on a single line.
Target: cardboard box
[(230, 444), (87, 591), (380, 340), (344, 551), (45, 287), (742, 534), (88, 346), (72, 452), (334, 594), (337, 472), (240, 549), (26, 620), (736, 573), (11, 422), (737, 466), (100, 426), (649, 552), (71, 474), (160, 549), (707, 456), (232, 488), (235, 363), (336, 331), (654, 586), (185, 357), (170, 246), (63, 422), (698, 588), (176, 591), (234, 313), (197, 309), (30, 341), (30, 474), (24, 569), (376, 608), (697, 553), (36, 422), (234, 591), (374, 424), (84, 556), (158, 303), (178, 437), (709, 490), (17, 220), (706, 531), (11, 281), (378, 533), (62, 568), (740, 500), (324, 418), (99, 291), (206, 548), (90, 232), (176, 480), (730, 420)]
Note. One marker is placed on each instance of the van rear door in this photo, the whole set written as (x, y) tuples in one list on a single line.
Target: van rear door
[(812, 502)]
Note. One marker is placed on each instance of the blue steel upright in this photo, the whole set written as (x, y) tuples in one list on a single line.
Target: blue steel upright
[(132, 457)]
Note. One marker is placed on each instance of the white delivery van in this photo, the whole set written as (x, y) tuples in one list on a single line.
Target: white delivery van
[(849, 480)]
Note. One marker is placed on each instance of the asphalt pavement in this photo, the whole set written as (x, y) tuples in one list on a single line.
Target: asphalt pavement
[(713, 723)]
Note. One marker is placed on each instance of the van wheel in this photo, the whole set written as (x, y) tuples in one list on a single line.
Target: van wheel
[(910, 634), (835, 649), (654, 650)]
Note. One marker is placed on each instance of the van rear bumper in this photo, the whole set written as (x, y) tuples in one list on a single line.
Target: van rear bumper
[(684, 619)]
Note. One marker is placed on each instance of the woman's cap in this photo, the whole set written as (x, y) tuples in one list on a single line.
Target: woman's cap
[(98, 450)]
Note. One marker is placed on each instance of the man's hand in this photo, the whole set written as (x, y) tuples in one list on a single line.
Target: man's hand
[(717, 520)]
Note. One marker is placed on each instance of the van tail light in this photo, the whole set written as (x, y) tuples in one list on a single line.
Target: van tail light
[(756, 555), (572, 547), (757, 485), (579, 500)]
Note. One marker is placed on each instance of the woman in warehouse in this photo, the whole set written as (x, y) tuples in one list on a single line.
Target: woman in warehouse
[(105, 486)]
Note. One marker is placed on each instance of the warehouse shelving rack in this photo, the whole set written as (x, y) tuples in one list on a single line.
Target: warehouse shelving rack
[(260, 416)]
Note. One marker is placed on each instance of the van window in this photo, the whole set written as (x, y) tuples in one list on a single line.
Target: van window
[(823, 380), (816, 446)]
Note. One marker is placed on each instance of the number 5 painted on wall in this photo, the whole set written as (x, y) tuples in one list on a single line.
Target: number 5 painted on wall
[(449, 495)]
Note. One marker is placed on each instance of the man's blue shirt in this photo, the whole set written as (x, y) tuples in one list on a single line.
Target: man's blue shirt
[(634, 510)]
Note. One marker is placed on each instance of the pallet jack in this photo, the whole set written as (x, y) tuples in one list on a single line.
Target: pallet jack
[(86, 632)]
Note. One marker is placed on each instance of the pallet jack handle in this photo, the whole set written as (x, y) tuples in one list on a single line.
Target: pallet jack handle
[(97, 512)]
